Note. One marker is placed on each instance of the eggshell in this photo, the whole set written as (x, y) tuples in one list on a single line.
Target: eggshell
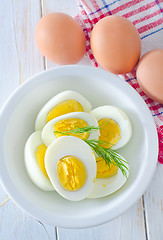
[(150, 74), (116, 44), (60, 38)]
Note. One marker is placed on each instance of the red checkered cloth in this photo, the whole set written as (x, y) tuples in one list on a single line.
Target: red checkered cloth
[(147, 16)]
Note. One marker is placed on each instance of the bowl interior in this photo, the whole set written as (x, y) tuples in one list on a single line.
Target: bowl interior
[(17, 123)]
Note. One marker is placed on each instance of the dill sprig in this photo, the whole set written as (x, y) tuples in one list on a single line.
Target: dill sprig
[(78, 130), (109, 155)]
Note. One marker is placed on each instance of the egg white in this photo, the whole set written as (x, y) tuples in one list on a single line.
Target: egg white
[(106, 186), (48, 135), (65, 146), (31, 164), (63, 96), (118, 116)]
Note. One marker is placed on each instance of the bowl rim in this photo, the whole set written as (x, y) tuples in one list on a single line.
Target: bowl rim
[(135, 193)]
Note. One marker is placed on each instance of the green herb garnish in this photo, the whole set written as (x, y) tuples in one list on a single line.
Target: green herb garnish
[(78, 130), (109, 155)]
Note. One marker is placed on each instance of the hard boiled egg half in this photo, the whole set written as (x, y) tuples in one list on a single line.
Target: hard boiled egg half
[(67, 122), (71, 167), (64, 102), (115, 132), (34, 160), (109, 178), (115, 126)]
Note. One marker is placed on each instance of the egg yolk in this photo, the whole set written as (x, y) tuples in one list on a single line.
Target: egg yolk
[(40, 155), (104, 170), (64, 107), (72, 173), (110, 132), (69, 124)]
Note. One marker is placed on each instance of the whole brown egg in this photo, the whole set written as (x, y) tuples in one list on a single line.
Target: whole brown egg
[(60, 38), (116, 44), (150, 74)]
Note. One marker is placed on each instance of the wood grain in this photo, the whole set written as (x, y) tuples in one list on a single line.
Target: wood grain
[(19, 60), (129, 226), (154, 205)]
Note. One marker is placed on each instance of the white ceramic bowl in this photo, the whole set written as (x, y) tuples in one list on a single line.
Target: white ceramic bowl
[(17, 120)]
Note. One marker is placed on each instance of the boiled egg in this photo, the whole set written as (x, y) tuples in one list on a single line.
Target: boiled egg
[(150, 74), (109, 178), (116, 44), (68, 122), (60, 38), (71, 167), (64, 102), (34, 161), (115, 126)]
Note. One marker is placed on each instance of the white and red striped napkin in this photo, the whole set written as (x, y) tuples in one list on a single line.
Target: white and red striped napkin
[(147, 16)]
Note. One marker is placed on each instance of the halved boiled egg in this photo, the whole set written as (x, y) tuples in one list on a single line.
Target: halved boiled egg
[(71, 167), (109, 178), (67, 122), (115, 126), (34, 161), (64, 102)]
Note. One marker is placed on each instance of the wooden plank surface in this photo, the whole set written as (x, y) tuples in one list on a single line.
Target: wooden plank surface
[(20, 59), (154, 205), (129, 226)]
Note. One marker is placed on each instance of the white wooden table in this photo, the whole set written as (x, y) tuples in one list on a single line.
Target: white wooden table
[(19, 60)]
